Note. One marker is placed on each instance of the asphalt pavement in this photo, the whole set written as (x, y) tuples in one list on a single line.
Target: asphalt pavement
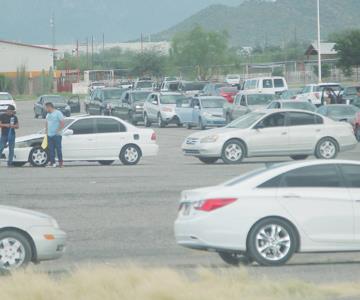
[(117, 214)]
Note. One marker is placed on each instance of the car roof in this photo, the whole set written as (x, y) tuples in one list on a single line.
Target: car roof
[(209, 97), (291, 101), (4, 93)]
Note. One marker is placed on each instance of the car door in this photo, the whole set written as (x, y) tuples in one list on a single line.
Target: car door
[(38, 106), (316, 197), (240, 109), (153, 107), (92, 103), (351, 173), (305, 130), (81, 144), (184, 110), (110, 137), (74, 103), (195, 103), (270, 136)]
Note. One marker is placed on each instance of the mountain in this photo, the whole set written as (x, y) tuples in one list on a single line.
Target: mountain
[(259, 22), (120, 20)]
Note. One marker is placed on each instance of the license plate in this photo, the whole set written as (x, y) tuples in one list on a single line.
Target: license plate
[(186, 209)]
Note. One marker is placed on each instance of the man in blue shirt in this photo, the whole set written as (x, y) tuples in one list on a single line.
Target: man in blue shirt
[(54, 126)]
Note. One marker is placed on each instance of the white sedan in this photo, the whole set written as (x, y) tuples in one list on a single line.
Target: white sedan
[(271, 213), (293, 133), (91, 138), (27, 236)]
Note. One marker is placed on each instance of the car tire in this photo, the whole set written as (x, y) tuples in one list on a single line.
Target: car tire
[(38, 157), (233, 152), (201, 124), (235, 259), (147, 121), (106, 162), (208, 160), (327, 148), (272, 242), (16, 244), (299, 157), (161, 123), (130, 155)]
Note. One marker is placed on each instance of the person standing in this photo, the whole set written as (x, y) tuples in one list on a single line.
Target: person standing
[(8, 124), (54, 126)]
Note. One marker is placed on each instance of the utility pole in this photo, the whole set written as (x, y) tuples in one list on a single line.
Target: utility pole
[(319, 42), (142, 43), (103, 49), (92, 52), (53, 36), (87, 53)]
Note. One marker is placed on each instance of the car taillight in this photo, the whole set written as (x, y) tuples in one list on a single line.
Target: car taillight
[(213, 204), (153, 136)]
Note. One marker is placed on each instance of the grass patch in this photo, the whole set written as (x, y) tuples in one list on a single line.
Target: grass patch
[(134, 283)]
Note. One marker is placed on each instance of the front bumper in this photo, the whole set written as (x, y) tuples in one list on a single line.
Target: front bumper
[(48, 249), (169, 118), (214, 122), (202, 149), (20, 154)]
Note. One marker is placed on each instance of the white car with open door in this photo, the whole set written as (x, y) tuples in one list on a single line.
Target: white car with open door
[(91, 138), (269, 214), (293, 133)]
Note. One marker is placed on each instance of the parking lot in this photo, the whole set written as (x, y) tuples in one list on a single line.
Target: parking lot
[(121, 214)]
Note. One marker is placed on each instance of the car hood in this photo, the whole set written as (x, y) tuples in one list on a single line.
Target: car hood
[(30, 137), (258, 107), (223, 130), (7, 102), (213, 111), (10, 210)]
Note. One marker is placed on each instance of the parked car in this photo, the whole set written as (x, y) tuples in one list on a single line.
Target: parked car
[(160, 108), (349, 94), (125, 84), (212, 88), (202, 112), (293, 133), (272, 213), (102, 101), (170, 86), (144, 85), (192, 88), (246, 102), (266, 85), (228, 93), (28, 236), (292, 104), (96, 85), (131, 106), (5, 100), (59, 102), (91, 138), (316, 93), (289, 94), (339, 112), (74, 103), (233, 79)]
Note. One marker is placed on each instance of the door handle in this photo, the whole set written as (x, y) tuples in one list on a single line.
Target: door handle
[(284, 133), (318, 130), (291, 196)]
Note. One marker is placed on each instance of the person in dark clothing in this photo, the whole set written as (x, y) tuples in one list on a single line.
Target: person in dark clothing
[(8, 124)]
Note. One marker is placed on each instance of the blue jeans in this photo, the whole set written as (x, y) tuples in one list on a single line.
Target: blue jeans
[(10, 141), (54, 143)]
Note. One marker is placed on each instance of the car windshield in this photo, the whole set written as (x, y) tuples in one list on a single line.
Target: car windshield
[(55, 99), (5, 97), (113, 94), (246, 121), (299, 105), (144, 84), (171, 99), (194, 86), (338, 111), (140, 96), (260, 99), (213, 103), (335, 88)]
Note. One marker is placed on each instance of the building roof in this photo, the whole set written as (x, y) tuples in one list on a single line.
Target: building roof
[(325, 48), (27, 45)]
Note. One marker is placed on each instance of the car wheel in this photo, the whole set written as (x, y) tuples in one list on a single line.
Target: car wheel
[(208, 160), (233, 152), (161, 123), (147, 121), (130, 155), (38, 157), (201, 124), (272, 242), (235, 259), (327, 148), (299, 157), (357, 133), (106, 162), (15, 250)]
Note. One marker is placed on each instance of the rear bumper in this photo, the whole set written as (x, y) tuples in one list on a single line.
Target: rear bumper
[(149, 149)]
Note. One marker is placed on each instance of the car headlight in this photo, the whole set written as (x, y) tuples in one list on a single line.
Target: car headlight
[(208, 115), (209, 139)]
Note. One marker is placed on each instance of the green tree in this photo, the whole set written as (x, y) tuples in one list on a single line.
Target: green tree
[(200, 50), (21, 79), (46, 81), (5, 84), (150, 63), (348, 48)]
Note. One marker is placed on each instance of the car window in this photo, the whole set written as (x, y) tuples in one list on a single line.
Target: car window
[(313, 176), (299, 105), (274, 120), (260, 99), (237, 100), (272, 183), (84, 126), (351, 175), (243, 101), (279, 83), (5, 96), (274, 105), (267, 83), (301, 119), (108, 125)]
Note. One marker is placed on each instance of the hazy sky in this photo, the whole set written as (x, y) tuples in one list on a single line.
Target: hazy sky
[(121, 20)]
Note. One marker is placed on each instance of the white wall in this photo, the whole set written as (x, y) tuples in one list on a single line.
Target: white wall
[(35, 59)]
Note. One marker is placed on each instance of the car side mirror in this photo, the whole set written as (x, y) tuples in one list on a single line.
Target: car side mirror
[(197, 107), (68, 132), (154, 102)]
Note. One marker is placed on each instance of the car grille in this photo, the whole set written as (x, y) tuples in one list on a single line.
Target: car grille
[(191, 141), (218, 116)]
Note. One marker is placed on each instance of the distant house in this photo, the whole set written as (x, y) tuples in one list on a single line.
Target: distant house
[(327, 51), (35, 59)]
